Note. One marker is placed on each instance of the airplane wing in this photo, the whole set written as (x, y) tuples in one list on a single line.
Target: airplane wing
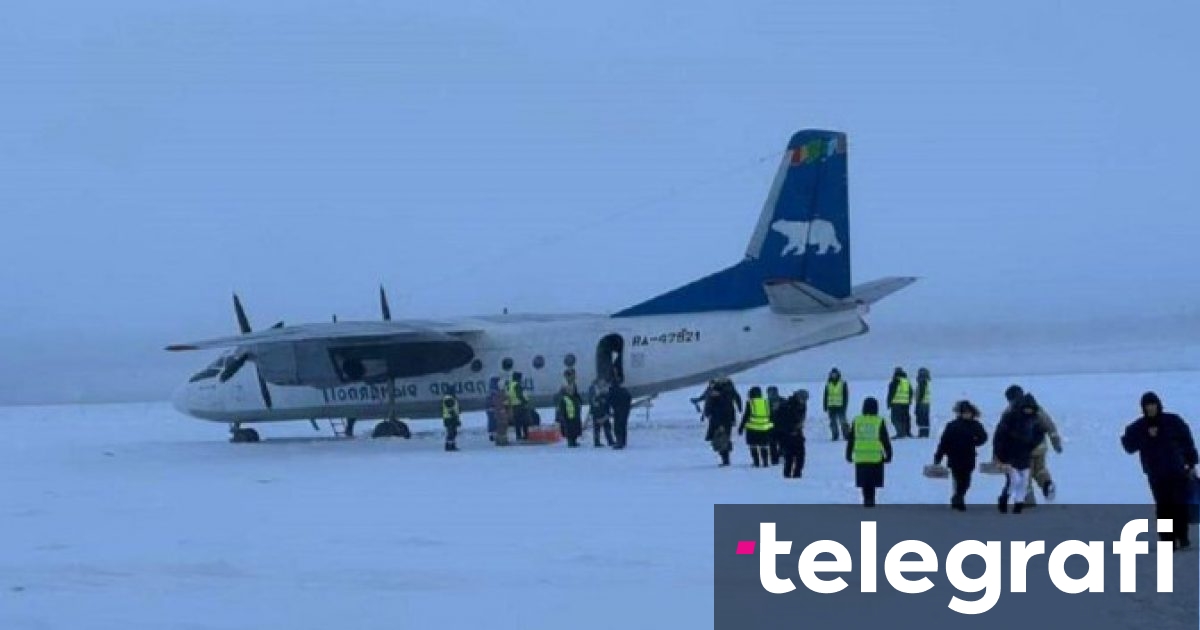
[(342, 333)]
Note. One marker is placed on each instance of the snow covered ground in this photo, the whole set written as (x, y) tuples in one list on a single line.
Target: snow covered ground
[(132, 516)]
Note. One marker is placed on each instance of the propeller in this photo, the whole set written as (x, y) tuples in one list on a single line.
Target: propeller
[(233, 365), (383, 305), (386, 311)]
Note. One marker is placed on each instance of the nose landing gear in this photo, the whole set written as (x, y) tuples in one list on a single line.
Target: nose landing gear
[(238, 435)]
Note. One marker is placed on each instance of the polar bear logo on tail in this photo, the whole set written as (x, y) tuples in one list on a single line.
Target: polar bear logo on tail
[(801, 234)]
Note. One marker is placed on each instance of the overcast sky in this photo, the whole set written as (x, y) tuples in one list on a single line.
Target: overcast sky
[(1029, 160)]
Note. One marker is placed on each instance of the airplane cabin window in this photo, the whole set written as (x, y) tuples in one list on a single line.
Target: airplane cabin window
[(506, 364), (476, 365), (569, 360), (539, 362)]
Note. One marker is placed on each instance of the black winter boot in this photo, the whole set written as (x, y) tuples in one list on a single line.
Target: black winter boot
[(1017, 507), (1002, 503), (724, 458), (754, 456)]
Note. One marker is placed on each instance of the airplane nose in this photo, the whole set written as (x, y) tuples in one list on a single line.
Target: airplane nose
[(181, 399)]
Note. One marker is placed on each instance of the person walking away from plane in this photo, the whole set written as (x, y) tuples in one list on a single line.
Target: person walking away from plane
[(621, 403), (1163, 442), (701, 400), (568, 415), (517, 407), (774, 400), (960, 439), (1039, 472), (1017, 434), (600, 412), (899, 403), (451, 420), (721, 414), (729, 389), (837, 397), (869, 449), (924, 399), (789, 419), (756, 425)]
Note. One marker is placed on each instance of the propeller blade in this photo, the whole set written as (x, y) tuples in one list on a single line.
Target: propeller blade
[(243, 322), (383, 305), (335, 318), (262, 388), (232, 366)]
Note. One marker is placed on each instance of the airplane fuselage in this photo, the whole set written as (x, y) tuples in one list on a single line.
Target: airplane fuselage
[(658, 354)]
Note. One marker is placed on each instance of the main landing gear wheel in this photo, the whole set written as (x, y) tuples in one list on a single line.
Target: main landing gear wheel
[(243, 436), (391, 428)]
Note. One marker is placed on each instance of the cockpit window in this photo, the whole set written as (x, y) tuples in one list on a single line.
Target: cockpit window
[(206, 373), (213, 370)]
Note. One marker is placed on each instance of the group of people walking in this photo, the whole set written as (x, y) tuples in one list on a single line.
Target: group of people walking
[(1019, 447), (609, 405), (608, 408), (773, 427)]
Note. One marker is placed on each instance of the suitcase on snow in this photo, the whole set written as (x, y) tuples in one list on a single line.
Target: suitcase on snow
[(936, 471), (991, 468)]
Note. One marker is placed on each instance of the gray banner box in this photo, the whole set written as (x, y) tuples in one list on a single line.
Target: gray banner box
[(742, 603)]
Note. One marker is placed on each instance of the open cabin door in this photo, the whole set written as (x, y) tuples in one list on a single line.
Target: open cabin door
[(610, 358)]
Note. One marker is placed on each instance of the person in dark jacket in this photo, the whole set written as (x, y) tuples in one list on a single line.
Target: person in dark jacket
[(621, 403), (729, 389), (960, 438), (721, 414), (699, 401), (600, 412), (788, 419), (1017, 435), (868, 448), (924, 400), (451, 420), (1164, 443), (774, 400)]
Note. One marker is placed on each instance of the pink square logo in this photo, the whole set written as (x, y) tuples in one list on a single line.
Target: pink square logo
[(745, 547)]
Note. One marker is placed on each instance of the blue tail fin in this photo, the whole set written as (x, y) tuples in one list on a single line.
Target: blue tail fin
[(803, 234)]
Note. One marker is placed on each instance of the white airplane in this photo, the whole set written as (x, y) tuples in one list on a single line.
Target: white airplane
[(791, 292)]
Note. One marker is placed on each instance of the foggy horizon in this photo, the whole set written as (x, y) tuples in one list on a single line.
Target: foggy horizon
[(157, 159)]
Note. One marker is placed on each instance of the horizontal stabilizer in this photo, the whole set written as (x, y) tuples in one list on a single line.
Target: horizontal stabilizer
[(875, 290), (792, 297)]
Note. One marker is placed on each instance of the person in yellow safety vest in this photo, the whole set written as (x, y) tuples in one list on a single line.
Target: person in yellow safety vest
[(900, 395), (924, 398), (756, 425), (451, 419), (569, 416), (836, 400), (868, 448), (516, 402)]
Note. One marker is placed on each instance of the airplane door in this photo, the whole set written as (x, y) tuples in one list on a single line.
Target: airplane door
[(612, 358)]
